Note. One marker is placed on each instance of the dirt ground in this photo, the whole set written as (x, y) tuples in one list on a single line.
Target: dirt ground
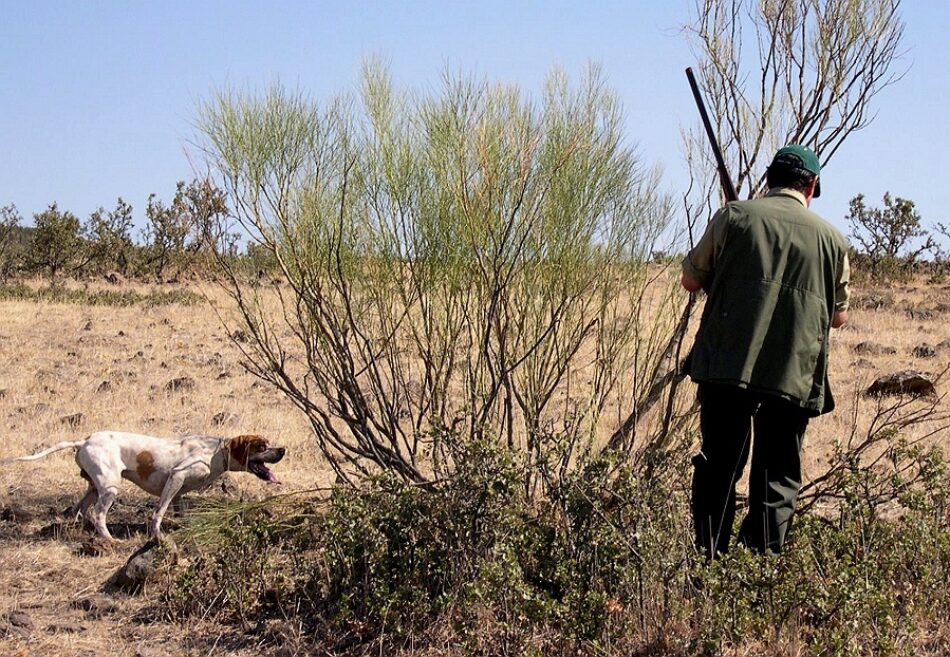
[(67, 370), (114, 367)]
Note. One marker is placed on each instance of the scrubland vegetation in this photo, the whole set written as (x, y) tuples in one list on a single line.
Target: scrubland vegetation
[(450, 308)]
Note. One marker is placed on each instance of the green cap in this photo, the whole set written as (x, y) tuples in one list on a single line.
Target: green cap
[(796, 156)]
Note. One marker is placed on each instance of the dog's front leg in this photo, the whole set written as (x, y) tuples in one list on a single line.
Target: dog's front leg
[(172, 485), (172, 489)]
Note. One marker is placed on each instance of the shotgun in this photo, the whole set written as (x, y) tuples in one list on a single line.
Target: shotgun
[(663, 374), (728, 189)]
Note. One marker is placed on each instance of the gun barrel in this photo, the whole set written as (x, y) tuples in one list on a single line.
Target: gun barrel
[(727, 187)]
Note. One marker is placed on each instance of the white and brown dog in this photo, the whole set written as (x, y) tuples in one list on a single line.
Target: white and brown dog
[(166, 467)]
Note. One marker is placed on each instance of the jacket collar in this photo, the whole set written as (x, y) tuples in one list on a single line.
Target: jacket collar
[(787, 191)]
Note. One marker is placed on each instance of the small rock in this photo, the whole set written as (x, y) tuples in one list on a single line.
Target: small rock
[(121, 334), (907, 382), (872, 349), (921, 314), (146, 651), (13, 630), (96, 606), (114, 278), (3, 393), (105, 386), (33, 409), (239, 336), (19, 618), (87, 326), (873, 301), (224, 417), (95, 546), (924, 350), (862, 363), (180, 384), (66, 626), (142, 565), (73, 420)]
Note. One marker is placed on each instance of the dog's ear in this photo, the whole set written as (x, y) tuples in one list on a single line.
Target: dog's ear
[(241, 447)]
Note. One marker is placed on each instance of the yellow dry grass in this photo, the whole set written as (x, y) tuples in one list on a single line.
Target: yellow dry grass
[(55, 359), (112, 365)]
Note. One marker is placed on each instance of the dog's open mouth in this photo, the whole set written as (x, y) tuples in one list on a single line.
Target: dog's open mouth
[(262, 472)]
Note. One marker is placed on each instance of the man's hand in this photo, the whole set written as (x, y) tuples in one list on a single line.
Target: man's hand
[(839, 318), (690, 283)]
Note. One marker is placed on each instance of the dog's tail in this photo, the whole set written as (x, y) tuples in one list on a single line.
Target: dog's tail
[(46, 452)]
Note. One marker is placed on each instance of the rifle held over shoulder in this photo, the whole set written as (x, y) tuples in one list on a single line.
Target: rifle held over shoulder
[(728, 189)]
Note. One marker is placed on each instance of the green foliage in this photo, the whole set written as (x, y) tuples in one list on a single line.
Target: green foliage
[(398, 556), (9, 254), (178, 236), (109, 239), (467, 239), (603, 566), (856, 586), (9, 222), (56, 244), (237, 572), (891, 238)]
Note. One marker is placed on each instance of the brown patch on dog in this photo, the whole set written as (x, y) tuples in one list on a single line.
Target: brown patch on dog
[(144, 465), (242, 447)]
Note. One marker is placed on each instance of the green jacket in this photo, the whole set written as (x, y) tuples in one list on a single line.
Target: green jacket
[(774, 272)]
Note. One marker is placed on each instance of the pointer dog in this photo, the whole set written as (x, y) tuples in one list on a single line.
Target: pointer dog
[(166, 467)]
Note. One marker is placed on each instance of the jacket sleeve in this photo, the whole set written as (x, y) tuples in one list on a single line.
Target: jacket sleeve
[(842, 280), (700, 263)]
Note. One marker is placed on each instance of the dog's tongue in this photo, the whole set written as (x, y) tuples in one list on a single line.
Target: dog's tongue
[(272, 478)]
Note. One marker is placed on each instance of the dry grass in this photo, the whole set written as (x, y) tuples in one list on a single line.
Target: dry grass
[(57, 359)]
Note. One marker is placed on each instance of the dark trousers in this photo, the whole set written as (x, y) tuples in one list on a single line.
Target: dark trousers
[(734, 421)]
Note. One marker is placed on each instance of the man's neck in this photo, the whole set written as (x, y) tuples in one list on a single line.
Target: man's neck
[(794, 193)]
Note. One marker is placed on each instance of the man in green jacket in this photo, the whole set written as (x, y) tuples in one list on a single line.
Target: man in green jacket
[(776, 275)]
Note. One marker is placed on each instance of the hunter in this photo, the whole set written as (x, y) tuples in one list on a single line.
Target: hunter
[(776, 275)]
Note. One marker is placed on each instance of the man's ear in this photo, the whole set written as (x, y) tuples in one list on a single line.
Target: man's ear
[(810, 191)]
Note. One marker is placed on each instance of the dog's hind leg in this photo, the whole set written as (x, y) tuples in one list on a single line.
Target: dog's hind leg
[(80, 508), (105, 475), (107, 494)]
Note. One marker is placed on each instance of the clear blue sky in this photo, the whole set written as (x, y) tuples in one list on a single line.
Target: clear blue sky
[(98, 99)]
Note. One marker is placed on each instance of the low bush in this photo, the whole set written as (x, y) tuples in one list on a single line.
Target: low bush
[(603, 565), (86, 297)]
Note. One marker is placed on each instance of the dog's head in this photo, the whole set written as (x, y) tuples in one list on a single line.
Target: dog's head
[(252, 454)]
